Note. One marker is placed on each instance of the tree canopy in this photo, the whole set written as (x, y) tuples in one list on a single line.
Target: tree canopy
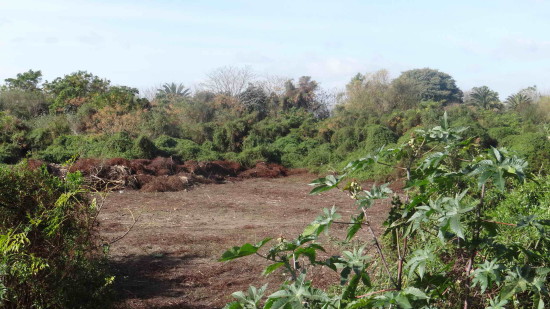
[(25, 81), (433, 85), (483, 97)]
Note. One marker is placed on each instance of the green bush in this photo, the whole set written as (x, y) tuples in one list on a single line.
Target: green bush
[(119, 145), (13, 141), (320, 158), (378, 136), (24, 104), (116, 145), (230, 136), (183, 149), (529, 199), (499, 133), (270, 129), (144, 148), (9, 153), (64, 148), (48, 255), (207, 152), (250, 156), (345, 140), (462, 229), (189, 150), (475, 130), (533, 146)]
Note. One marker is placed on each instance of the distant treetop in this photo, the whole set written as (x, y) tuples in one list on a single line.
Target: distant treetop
[(433, 85)]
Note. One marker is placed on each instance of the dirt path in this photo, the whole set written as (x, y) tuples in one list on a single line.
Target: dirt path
[(169, 258)]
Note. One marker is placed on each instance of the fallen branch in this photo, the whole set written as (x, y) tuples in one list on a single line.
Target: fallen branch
[(128, 231)]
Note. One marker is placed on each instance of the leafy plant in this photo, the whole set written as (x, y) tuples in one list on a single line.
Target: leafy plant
[(48, 256), (440, 248)]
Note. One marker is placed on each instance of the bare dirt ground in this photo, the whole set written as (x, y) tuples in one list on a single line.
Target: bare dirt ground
[(169, 257)]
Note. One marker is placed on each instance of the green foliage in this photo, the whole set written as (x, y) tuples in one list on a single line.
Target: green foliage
[(230, 136), (9, 153), (74, 89), (250, 156), (159, 122), (207, 152), (24, 104), (500, 133), (13, 141), (433, 85), (172, 91), (483, 97), (180, 148), (64, 147), (144, 148), (535, 147), (119, 145), (443, 235), (27, 81), (116, 96), (320, 157), (47, 247), (281, 126), (378, 136), (45, 129)]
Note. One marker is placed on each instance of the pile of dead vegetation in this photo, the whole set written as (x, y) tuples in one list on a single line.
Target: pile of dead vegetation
[(160, 174)]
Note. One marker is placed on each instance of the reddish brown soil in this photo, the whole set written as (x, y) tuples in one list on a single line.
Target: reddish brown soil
[(169, 258)]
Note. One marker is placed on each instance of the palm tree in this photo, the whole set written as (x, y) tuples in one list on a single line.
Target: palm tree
[(518, 99), (173, 90), (484, 97)]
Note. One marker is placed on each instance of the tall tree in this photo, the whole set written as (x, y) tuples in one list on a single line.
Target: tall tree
[(523, 97), (433, 84), (255, 99), (75, 89), (27, 81), (173, 90), (516, 100), (229, 80), (368, 94), (483, 97)]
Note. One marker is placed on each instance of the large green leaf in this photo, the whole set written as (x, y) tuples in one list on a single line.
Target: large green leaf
[(244, 250)]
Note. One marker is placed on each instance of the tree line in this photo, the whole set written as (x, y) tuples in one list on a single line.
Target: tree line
[(237, 115)]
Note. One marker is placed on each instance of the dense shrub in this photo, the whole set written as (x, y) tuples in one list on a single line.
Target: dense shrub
[(250, 156), (529, 199), (48, 257), (378, 136), (64, 148), (533, 146), (143, 148), (9, 153), (499, 133), (207, 151), (182, 148), (320, 157), (45, 129), (24, 104), (13, 141), (463, 233)]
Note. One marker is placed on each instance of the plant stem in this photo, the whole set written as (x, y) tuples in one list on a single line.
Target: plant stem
[(373, 293), (475, 240), (378, 247), (400, 264)]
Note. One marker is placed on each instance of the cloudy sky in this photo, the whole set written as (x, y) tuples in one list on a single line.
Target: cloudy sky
[(502, 44)]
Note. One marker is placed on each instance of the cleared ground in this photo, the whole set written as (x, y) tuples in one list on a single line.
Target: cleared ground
[(169, 257)]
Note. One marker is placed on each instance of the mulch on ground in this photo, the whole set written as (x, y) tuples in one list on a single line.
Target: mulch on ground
[(160, 174)]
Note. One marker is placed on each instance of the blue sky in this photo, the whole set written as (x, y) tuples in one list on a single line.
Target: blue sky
[(502, 44)]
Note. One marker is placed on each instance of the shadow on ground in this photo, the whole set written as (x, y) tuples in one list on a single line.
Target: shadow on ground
[(157, 278)]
